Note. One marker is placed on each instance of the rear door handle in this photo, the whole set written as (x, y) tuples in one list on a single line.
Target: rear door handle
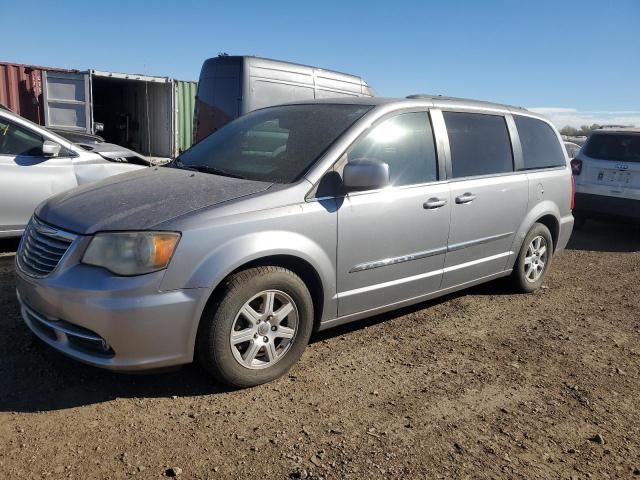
[(465, 198), (433, 203)]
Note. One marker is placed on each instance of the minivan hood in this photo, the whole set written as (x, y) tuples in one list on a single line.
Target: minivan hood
[(141, 199)]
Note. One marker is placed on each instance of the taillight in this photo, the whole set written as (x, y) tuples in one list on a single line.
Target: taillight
[(573, 192), (576, 166)]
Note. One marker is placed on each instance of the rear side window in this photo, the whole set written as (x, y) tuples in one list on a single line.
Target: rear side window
[(480, 144), (405, 143), (540, 145), (618, 147)]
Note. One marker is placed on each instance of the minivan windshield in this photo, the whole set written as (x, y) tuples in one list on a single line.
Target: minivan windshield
[(619, 147), (276, 144)]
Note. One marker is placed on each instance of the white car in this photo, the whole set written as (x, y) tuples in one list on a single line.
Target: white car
[(36, 163), (607, 175), (572, 149)]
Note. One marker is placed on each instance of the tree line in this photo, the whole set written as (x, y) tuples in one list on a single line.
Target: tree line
[(583, 131)]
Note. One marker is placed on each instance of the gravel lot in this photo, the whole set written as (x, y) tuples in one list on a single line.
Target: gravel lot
[(481, 384)]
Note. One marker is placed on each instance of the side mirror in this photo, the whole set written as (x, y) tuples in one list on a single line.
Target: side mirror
[(50, 149), (365, 175)]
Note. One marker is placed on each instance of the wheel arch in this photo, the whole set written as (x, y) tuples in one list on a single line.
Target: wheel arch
[(302, 268), (553, 224), (314, 264), (545, 212)]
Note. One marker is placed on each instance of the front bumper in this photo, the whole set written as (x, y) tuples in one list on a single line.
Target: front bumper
[(116, 323), (607, 206)]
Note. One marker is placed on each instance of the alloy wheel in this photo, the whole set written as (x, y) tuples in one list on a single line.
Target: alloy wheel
[(264, 329), (535, 259)]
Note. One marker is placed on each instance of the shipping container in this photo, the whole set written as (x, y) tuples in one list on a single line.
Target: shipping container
[(21, 89), (185, 98), (137, 111), (151, 115)]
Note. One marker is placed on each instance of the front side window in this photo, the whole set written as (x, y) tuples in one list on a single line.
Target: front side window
[(540, 145), (277, 144), (15, 140), (405, 142), (480, 144)]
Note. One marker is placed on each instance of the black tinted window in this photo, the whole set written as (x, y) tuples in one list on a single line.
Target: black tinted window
[(276, 144), (618, 147), (480, 144), (219, 86), (540, 145), (15, 140), (405, 142)]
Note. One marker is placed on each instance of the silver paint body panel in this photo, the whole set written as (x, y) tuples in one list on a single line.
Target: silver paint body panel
[(26, 181)]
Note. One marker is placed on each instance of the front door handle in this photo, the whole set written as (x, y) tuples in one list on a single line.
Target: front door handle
[(433, 203), (465, 198)]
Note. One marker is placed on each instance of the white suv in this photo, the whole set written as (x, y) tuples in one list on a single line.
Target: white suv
[(607, 175)]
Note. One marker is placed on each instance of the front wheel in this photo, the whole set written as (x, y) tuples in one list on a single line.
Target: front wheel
[(258, 328), (533, 260)]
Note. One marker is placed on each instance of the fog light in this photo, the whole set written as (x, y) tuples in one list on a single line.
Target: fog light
[(105, 346)]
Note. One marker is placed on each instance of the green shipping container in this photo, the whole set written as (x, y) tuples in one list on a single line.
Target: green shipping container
[(185, 100)]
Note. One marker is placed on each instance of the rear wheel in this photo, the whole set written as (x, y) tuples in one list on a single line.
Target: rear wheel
[(533, 260), (257, 329)]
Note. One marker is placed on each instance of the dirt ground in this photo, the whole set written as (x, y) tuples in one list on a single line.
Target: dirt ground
[(481, 384)]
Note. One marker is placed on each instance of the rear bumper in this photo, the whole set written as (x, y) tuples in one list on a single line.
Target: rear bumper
[(588, 204), (564, 234)]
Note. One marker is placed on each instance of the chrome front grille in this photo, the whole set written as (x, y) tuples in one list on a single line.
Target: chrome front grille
[(42, 247)]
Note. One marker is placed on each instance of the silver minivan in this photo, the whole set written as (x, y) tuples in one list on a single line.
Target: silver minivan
[(291, 219)]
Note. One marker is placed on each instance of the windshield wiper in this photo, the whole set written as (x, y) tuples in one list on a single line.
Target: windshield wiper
[(177, 163), (214, 171)]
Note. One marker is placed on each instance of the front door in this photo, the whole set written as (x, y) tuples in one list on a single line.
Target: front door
[(26, 176), (488, 199), (392, 242)]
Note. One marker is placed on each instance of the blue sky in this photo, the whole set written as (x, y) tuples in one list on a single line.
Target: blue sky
[(577, 61)]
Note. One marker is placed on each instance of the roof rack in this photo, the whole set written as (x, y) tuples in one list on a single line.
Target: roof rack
[(427, 96)]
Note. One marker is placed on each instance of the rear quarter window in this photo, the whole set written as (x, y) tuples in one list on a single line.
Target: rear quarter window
[(540, 145)]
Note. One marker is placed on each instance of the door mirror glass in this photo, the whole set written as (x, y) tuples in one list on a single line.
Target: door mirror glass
[(365, 174), (50, 149)]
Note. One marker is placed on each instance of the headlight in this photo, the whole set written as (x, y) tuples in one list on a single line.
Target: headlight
[(131, 253)]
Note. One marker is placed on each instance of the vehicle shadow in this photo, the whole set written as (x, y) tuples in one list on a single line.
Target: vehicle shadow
[(9, 245), (606, 236), (36, 378)]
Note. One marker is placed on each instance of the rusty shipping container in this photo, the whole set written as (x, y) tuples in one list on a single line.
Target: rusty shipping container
[(21, 90)]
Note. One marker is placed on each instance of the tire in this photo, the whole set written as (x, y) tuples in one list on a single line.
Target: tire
[(579, 221), (523, 279), (265, 346)]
